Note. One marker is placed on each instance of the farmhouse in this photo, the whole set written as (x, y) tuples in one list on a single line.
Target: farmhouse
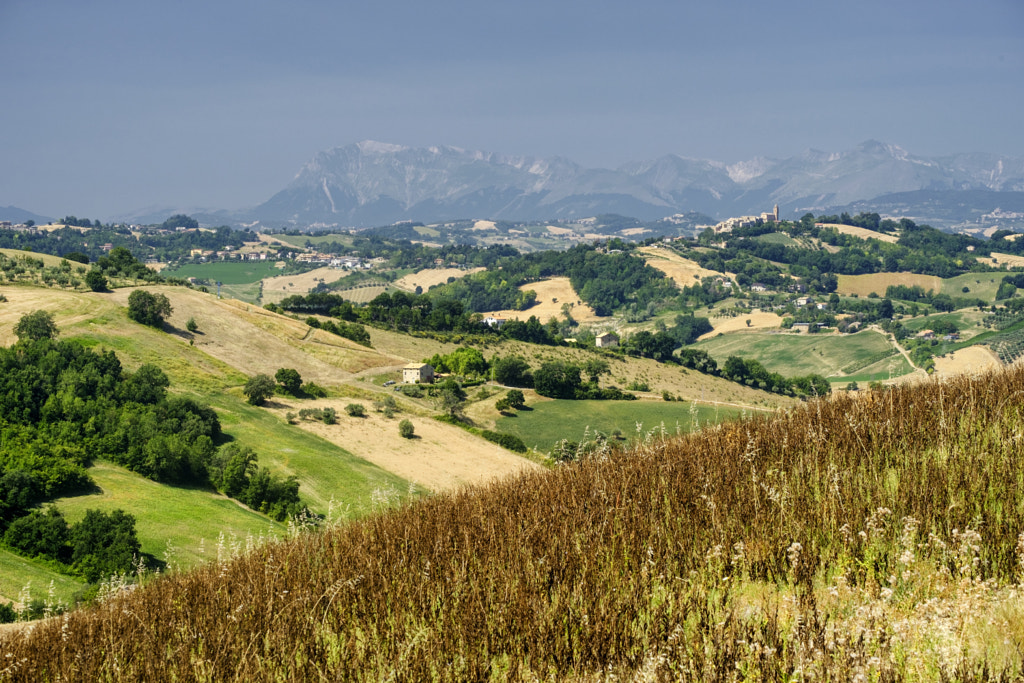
[(414, 373), (608, 340)]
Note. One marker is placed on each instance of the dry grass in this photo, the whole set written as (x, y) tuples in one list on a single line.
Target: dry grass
[(973, 359), (429, 277), (551, 295), (862, 233), (441, 457), (862, 285), (869, 538), (759, 320), (281, 286), (997, 259), (682, 270)]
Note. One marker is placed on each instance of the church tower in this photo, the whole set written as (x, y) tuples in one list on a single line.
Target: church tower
[(776, 213)]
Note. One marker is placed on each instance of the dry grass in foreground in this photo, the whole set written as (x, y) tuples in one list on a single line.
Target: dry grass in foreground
[(870, 538)]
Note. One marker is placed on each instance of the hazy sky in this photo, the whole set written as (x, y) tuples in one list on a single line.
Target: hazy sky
[(107, 107)]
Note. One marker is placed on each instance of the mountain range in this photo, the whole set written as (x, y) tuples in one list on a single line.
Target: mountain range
[(373, 183)]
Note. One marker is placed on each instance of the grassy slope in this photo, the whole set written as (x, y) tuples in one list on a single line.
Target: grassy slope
[(17, 573), (800, 354), (551, 421), (189, 519), (869, 537)]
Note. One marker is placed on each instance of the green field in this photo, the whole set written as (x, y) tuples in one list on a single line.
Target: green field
[(979, 285), (794, 355), (779, 238), (189, 519), (887, 368), (16, 573), (226, 272), (964, 319), (549, 421)]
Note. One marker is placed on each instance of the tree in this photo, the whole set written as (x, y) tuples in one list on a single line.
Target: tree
[(147, 308), (289, 379), (146, 385), (355, 410), (259, 388), (557, 380), (233, 467), (512, 371), (39, 534), (95, 280), (104, 544), (593, 368), (451, 397), (35, 326), (77, 257), (405, 429), (516, 399), (192, 326)]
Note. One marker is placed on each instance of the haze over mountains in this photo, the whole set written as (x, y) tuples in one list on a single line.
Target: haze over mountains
[(373, 183)]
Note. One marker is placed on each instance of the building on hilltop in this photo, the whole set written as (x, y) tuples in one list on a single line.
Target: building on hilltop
[(730, 224)]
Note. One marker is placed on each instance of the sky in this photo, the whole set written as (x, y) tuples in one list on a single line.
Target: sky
[(111, 107)]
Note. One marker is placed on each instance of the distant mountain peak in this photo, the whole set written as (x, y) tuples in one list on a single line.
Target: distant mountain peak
[(374, 147)]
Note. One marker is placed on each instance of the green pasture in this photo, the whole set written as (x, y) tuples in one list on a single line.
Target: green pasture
[(17, 572), (980, 286), (550, 421), (226, 272), (180, 525), (793, 355), (779, 238), (967, 320)]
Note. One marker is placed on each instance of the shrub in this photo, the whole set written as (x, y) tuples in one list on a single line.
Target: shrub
[(313, 389), (192, 325), (95, 280), (406, 429), (8, 615), (355, 410), (509, 441), (330, 416)]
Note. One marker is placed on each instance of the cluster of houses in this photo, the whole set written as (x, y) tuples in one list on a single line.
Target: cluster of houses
[(730, 224)]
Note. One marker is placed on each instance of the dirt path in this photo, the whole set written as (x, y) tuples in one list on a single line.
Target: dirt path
[(440, 457)]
